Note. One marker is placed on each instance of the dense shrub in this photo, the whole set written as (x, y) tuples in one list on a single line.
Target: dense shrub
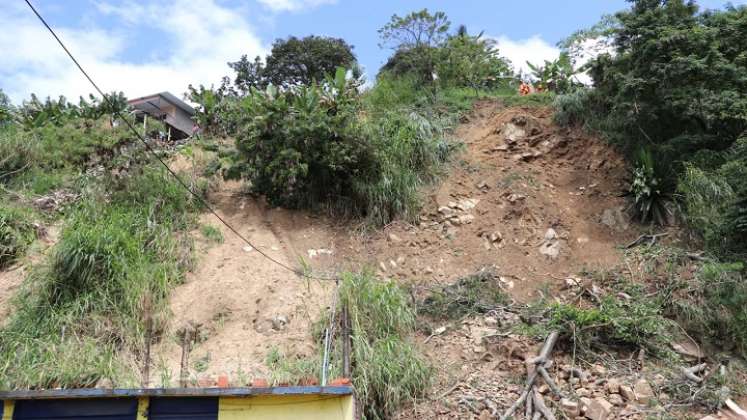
[(317, 147), (674, 84), (571, 108), (715, 196)]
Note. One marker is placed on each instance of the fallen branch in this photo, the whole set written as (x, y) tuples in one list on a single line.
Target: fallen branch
[(690, 373), (540, 407), (645, 237), (534, 366)]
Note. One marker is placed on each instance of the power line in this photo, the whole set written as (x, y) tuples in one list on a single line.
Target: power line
[(155, 155)]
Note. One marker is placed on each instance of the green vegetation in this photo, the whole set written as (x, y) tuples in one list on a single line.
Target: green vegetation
[(388, 369), (674, 86), (294, 61), (80, 316), (16, 233), (212, 233), (474, 294)]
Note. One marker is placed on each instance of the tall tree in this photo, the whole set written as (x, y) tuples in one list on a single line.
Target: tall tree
[(295, 61), (415, 38)]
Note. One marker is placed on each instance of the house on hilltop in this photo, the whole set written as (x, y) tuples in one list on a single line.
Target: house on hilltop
[(167, 108)]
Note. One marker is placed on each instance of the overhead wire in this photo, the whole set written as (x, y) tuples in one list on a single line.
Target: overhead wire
[(152, 152)]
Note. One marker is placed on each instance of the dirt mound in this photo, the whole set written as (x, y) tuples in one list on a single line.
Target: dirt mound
[(536, 201)]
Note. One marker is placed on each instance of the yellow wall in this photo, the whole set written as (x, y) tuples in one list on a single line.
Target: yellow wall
[(8, 410), (287, 407)]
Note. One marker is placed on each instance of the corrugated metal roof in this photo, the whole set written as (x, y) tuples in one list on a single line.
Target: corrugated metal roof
[(169, 97)]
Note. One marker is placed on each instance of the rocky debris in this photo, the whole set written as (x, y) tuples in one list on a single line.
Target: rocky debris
[(627, 393), (394, 238), (313, 253), (616, 399), (613, 386), (55, 201), (570, 408), (615, 219), (512, 133), (513, 198), (643, 391), (247, 248), (598, 409), (279, 322), (551, 244)]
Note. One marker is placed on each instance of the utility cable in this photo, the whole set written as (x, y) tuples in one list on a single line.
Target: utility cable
[(150, 150)]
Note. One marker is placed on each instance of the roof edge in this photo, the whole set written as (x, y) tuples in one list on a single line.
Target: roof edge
[(173, 392)]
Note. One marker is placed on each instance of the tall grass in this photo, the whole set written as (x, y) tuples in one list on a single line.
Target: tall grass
[(388, 369), (80, 317), (16, 233)]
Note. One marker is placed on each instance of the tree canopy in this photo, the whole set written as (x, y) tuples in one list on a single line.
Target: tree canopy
[(294, 61)]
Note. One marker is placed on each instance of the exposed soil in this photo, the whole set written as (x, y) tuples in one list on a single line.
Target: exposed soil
[(519, 177), (240, 304)]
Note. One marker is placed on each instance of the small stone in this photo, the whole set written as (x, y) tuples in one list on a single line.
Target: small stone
[(452, 204), (543, 389), (489, 320), (446, 211), (599, 409), (428, 270), (550, 234), (382, 266), (248, 249), (583, 392), (643, 391), (512, 198), (400, 260), (439, 330), (570, 408), (584, 404), (627, 393), (550, 249), (464, 219), (393, 263), (571, 282), (613, 386), (279, 322), (599, 370), (496, 237), (467, 204), (616, 399), (478, 349), (483, 185), (394, 238)]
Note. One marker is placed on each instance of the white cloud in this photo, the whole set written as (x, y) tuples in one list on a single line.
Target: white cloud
[(195, 41), (533, 49), (294, 5)]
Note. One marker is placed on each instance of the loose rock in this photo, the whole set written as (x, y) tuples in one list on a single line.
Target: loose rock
[(643, 391), (599, 409)]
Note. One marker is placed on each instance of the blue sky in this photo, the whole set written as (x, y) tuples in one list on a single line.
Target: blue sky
[(141, 47)]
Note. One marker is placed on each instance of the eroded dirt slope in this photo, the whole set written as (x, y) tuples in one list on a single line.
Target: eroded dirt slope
[(240, 305), (537, 202)]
